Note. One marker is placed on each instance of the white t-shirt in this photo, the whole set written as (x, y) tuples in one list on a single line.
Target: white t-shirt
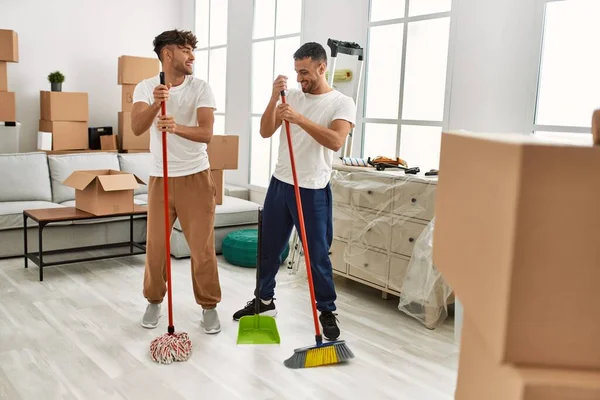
[(313, 160), (184, 156)]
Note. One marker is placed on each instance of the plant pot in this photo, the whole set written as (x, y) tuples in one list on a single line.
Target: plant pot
[(56, 86)]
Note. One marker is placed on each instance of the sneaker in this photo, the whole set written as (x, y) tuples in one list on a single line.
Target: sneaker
[(329, 324), (210, 321), (151, 316), (268, 310)]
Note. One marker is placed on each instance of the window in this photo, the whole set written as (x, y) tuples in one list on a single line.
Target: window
[(406, 82), (276, 36), (568, 80), (211, 52)]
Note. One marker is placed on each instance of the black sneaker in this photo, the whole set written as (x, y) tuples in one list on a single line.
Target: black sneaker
[(268, 310), (329, 324)]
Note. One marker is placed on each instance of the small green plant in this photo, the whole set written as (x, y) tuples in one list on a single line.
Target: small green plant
[(56, 77)]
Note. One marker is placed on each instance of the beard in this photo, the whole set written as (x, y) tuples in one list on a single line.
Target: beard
[(184, 69), (307, 88)]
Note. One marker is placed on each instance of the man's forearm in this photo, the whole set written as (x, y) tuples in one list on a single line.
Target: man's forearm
[(196, 133), (143, 120), (268, 121), (324, 136)]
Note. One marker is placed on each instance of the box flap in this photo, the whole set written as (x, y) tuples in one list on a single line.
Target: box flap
[(114, 182), (80, 179)]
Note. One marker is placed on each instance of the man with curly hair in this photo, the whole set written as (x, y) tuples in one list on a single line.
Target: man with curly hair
[(190, 105)]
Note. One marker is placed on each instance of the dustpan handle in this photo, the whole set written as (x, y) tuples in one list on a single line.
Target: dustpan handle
[(258, 257)]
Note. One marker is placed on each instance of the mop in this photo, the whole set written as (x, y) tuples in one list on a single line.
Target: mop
[(172, 346), (320, 353)]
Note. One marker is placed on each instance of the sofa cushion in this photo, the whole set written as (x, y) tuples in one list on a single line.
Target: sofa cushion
[(233, 212), (237, 191), (138, 164), (25, 177), (11, 212), (61, 166)]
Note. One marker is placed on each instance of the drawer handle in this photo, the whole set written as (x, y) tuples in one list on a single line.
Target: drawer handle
[(413, 200), (366, 265), (411, 240), (369, 191)]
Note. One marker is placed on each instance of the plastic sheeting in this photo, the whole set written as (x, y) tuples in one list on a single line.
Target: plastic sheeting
[(424, 293)]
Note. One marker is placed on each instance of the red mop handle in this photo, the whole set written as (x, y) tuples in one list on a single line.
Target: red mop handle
[(171, 328), (302, 228)]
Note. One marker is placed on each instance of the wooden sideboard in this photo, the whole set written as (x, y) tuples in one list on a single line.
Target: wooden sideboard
[(377, 219)]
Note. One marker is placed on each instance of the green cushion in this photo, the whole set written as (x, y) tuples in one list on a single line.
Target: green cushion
[(241, 248)]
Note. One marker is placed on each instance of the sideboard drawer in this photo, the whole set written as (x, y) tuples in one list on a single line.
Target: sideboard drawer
[(405, 233), (398, 270), (368, 265), (415, 199), (337, 256), (372, 192)]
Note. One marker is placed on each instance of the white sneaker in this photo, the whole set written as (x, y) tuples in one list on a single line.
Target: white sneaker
[(210, 321), (151, 316)]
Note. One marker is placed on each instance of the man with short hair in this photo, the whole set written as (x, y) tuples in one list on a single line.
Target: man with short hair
[(190, 105), (320, 120)]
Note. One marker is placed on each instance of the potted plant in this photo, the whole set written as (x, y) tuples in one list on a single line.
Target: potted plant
[(56, 79)]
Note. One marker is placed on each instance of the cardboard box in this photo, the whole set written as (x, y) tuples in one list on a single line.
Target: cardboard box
[(64, 106), (103, 192), (127, 97), (516, 237), (66, 135), (128, 140), (3, 76), (480, 378), (219, 179), (223, 151), (9, 46), (108, 142), (132, 70), (8, 106)]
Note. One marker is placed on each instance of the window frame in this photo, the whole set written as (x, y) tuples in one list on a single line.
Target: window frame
[(535, 127), (300, 35), (399, 122), (209, 48)]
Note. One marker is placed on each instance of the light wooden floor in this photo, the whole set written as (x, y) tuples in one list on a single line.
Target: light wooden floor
[(77, 336)]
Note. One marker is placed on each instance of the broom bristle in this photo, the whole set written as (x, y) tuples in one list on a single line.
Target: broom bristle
[(331, 353), (171, 347)]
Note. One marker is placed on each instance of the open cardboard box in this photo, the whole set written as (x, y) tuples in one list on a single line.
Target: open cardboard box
[(516, 237), (103, 192)]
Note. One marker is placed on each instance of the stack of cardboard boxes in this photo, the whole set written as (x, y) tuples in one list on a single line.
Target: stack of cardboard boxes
[(222, 155), (9, 52), (64, 117), (131, 71), (516, 236)]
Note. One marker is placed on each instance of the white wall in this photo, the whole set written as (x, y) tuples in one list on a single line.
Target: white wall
[(74, 37)]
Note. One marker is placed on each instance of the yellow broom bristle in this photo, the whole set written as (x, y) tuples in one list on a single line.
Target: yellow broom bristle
[(320, 356)]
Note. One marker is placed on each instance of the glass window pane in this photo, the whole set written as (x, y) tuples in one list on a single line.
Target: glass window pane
[(284, 59), (569, 78), (218, 22), (262, 75), (425, 78), (219, 125), (202, 23), (422, 7), (259, 156), (384, 65), (584, 139), (380, 140), (289, 17), (201, 65), (420, 146), (264, 18), (387, 9), (218, 74)]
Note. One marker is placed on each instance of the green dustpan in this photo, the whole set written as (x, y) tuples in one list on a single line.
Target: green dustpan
[(258, 329)]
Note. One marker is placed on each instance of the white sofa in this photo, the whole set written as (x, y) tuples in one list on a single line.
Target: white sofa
[(34, 180)]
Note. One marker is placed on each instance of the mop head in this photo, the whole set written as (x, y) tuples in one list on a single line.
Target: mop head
[(171, 347), (323, 354)]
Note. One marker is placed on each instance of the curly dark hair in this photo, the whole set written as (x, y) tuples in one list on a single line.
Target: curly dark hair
[(175, 36), (313, 50)]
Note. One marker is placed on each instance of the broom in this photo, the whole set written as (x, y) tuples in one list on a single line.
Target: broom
[(172, 346), (320, 353)]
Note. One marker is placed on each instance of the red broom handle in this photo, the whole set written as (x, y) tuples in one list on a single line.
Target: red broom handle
[(171, 328), (302, 228)]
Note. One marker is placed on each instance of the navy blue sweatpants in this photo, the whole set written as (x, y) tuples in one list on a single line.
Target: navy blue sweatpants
[(279, 217)]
